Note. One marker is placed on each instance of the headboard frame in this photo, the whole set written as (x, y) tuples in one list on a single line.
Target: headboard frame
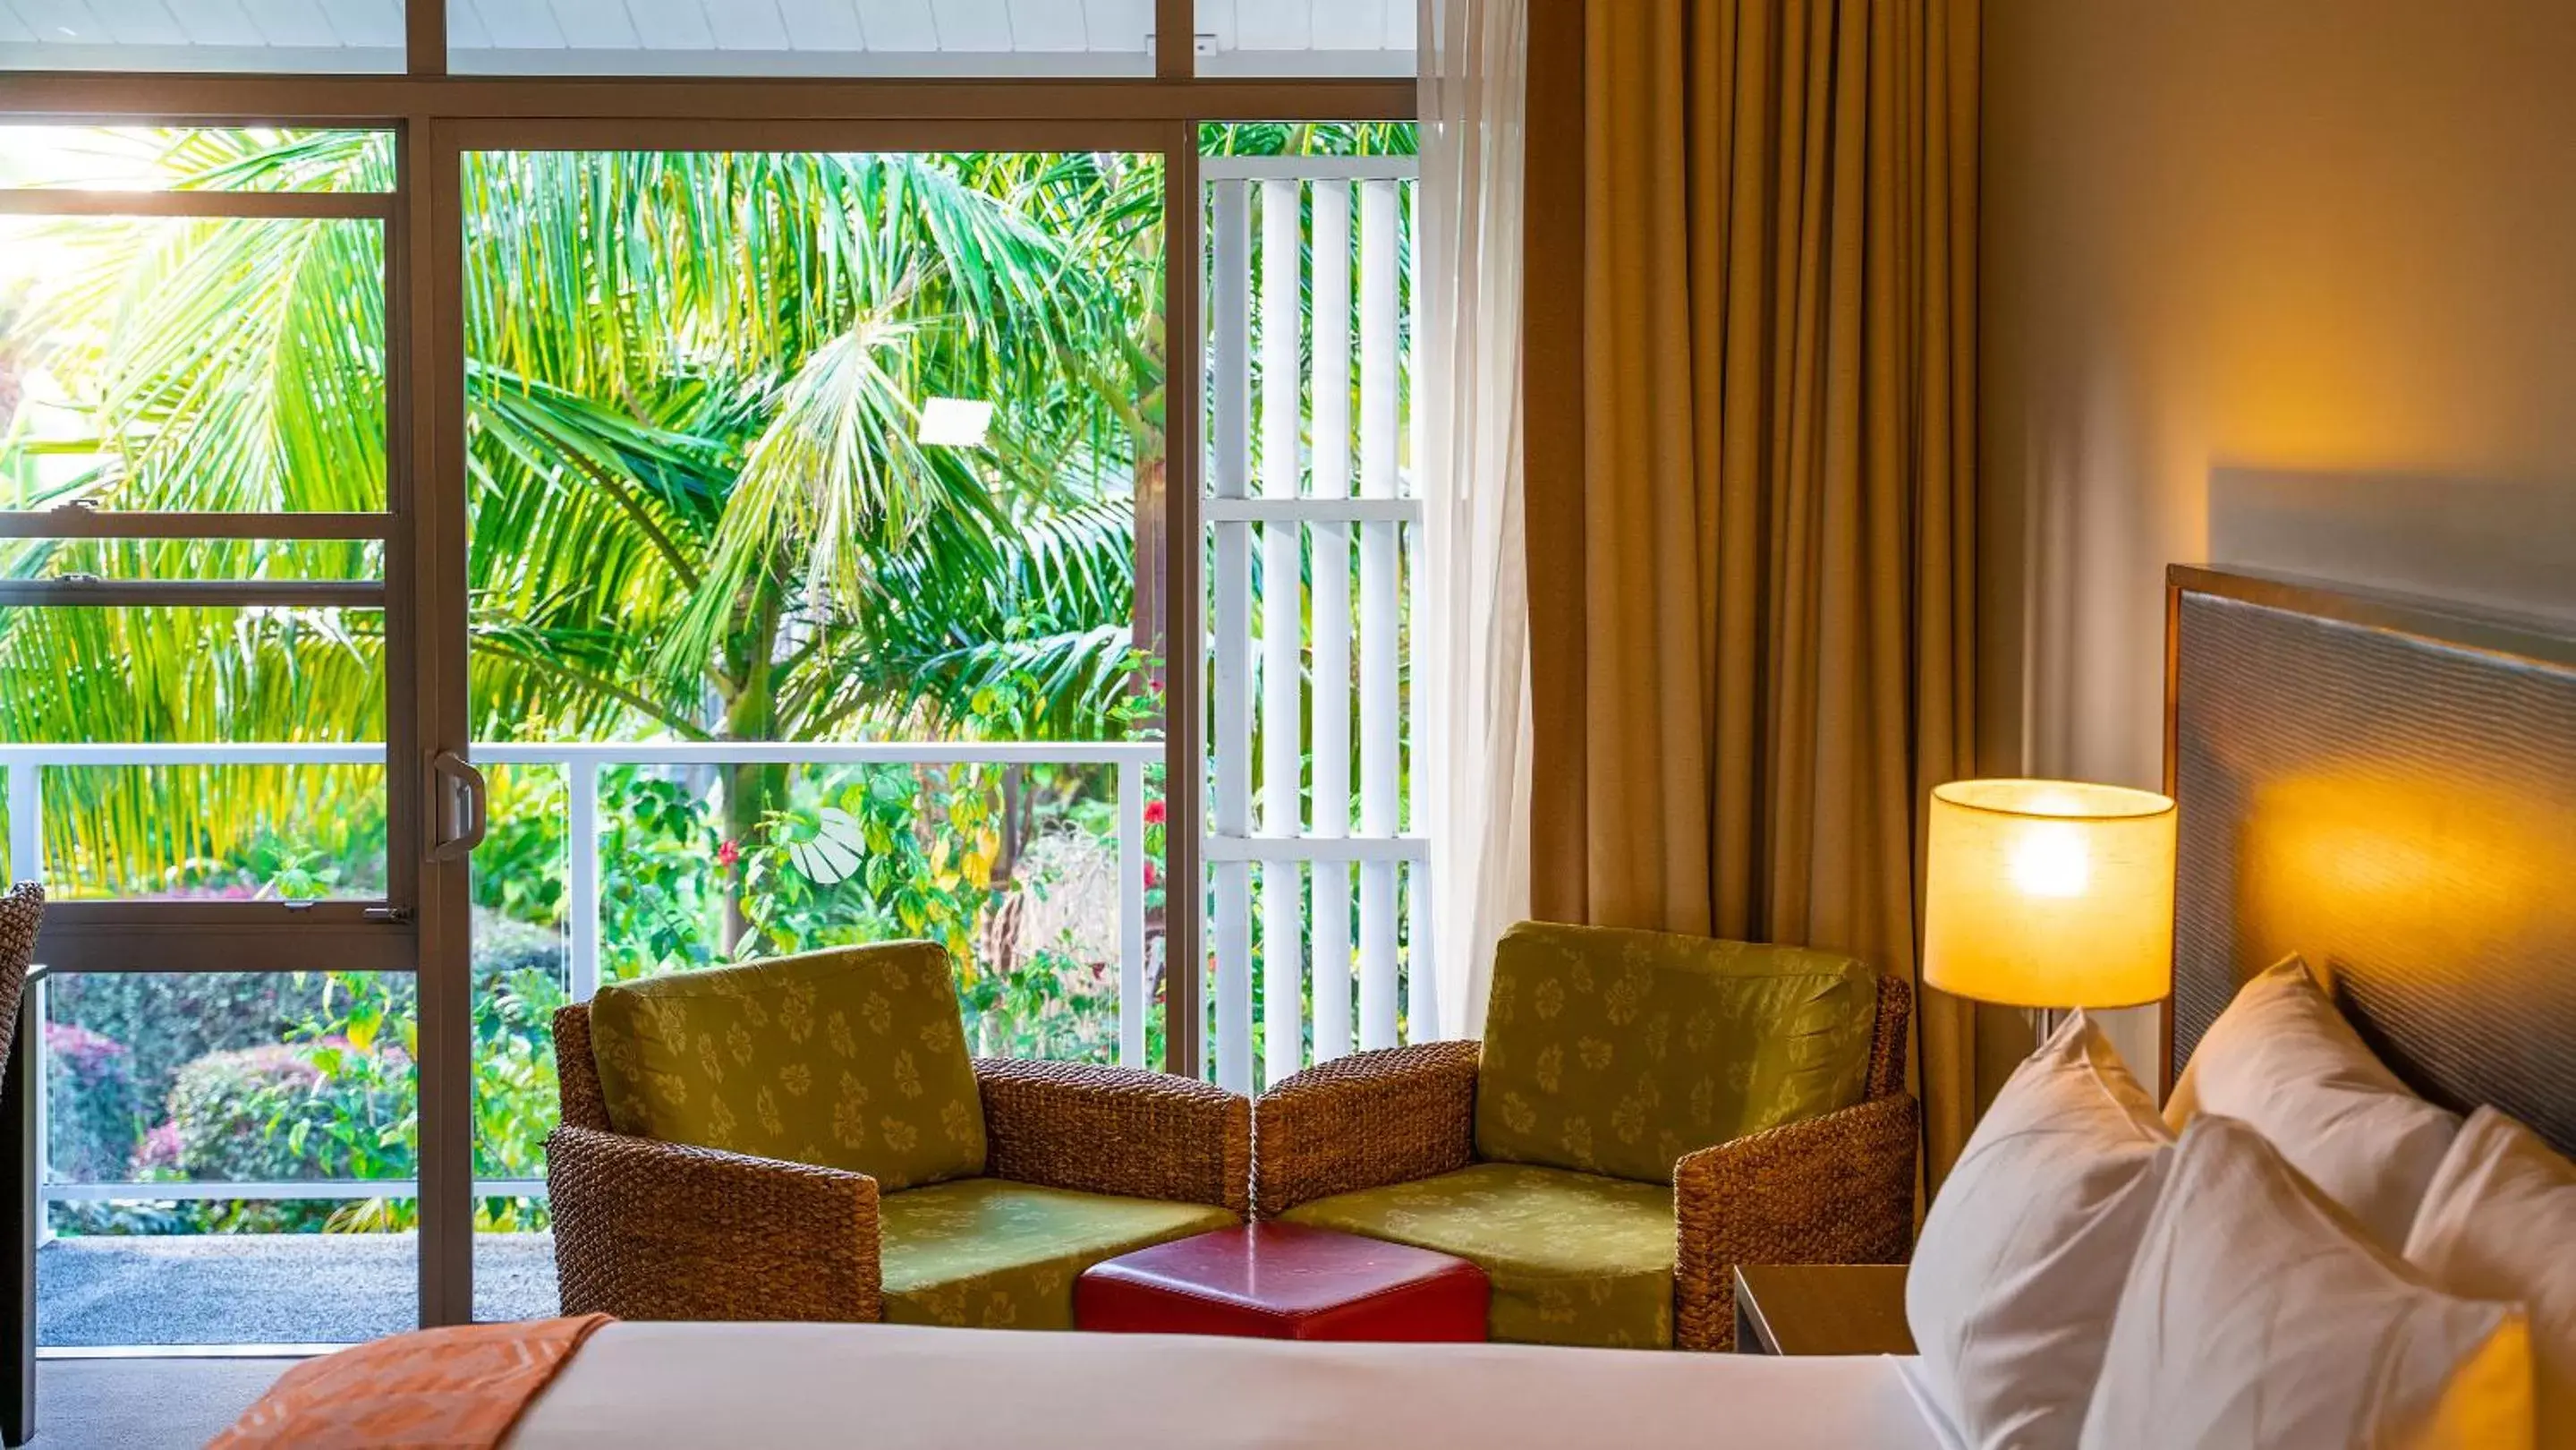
[(2388, 787)]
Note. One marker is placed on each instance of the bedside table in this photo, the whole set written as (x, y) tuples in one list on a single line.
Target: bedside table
[(1821, 1309)]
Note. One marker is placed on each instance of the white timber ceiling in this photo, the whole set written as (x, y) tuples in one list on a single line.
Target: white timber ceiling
[(711, 37)]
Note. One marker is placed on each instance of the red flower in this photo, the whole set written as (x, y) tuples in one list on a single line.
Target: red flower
[(1154, 813), (727, 854), (1153, 877)]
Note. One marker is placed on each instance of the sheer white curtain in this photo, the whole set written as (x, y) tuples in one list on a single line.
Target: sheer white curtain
[(1474, 647)]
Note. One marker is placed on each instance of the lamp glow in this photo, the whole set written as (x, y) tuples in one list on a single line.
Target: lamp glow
[(2050, 894)]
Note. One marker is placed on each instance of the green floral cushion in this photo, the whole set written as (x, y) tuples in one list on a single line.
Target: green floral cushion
[(993, 1254), (1575, 1258), (1621, 1051), (853, 1058)]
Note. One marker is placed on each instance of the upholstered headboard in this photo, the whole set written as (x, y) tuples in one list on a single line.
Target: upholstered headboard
[(2387, 786)]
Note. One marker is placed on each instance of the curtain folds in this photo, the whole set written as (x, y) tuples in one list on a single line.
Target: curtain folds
[(1773, 656), (1472, 656)]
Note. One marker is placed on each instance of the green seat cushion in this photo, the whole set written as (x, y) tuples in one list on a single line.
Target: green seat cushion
[(1574, 1258), (993, 1254), (853, 1058), (1619, 1052)]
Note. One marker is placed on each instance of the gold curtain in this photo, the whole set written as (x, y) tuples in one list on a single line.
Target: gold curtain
[(1770, 664)]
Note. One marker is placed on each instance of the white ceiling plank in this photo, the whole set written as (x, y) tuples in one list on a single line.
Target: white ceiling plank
[(672, 24), (13, 30), (822, 25), (291, 22), (898, 25), (62, 22), (521, 25), (595, 24), (465, 28), (1047, 25), (1349, 24), (747, 25), (1118, 25), (1275, 25), (1216, 18), (139, 22), (978, 25), (1404, 24), (372, 24), (216, 22)]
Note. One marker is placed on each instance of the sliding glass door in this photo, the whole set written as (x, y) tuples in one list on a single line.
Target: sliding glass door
[(205, 729)]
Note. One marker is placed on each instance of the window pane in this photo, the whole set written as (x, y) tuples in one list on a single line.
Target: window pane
[(182, 815), (1306, 37), (179, 1109), (200, 158), (801, 37), (297, 36), (192, 364)]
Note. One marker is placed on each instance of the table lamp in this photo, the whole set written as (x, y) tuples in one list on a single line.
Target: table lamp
[(2050, 894)]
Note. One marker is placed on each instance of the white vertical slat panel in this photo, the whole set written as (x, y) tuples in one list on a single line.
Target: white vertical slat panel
[(1379, 705), (1283, 914), (1331, 469), (1422, 976), (26, 822), (581, 904), (1132, 994), (1230, 315)]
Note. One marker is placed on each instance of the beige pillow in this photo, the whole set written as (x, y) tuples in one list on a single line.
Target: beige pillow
[(2258, 1316), (2500, 1223), (2026, 1247), (2284, 1060)]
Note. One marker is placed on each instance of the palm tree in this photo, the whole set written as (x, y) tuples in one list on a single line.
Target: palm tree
[(699, 506)]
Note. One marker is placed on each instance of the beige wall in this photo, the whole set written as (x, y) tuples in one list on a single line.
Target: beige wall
[(2278, 282), (2286, 283)]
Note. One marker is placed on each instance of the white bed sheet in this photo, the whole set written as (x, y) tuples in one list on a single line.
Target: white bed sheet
[(894, 1387)]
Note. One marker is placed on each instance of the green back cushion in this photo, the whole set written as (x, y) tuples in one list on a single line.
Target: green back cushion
[(1619, 1052), (853, 1058)]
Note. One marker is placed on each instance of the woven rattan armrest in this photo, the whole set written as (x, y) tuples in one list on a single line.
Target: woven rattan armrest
[(1115, 1130), (1834, 1189), (1365, 1121), (647, 1230)]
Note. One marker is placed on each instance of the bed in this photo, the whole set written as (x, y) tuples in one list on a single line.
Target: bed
[(2388, 786)]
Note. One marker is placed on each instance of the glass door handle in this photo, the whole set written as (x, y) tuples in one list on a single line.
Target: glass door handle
[(459, 791)]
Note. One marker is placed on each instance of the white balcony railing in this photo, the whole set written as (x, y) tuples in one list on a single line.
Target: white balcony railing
[(23, 767)]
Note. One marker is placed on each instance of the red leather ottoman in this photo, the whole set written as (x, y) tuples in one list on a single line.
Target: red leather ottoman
[(1284, 1281)]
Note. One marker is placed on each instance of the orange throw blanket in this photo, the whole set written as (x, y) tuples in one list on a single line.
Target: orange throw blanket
[(438, 1389)]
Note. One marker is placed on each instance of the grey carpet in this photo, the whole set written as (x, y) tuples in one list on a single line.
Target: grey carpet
[(267, 1288), (144, 1404)]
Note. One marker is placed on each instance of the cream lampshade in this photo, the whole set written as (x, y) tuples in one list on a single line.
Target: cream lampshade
[(2050, 894)]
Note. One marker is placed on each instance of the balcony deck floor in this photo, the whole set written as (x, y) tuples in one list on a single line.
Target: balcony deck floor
[(266, 1288)]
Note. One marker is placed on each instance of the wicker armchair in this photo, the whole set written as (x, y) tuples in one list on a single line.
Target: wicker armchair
[(1834, 1188), (22, 911), (657, 1230)]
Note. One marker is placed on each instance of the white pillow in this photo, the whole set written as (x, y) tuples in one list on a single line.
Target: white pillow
[(2258, 1316), (2500, 1223), (2284, 1060), (2026, 1246)]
